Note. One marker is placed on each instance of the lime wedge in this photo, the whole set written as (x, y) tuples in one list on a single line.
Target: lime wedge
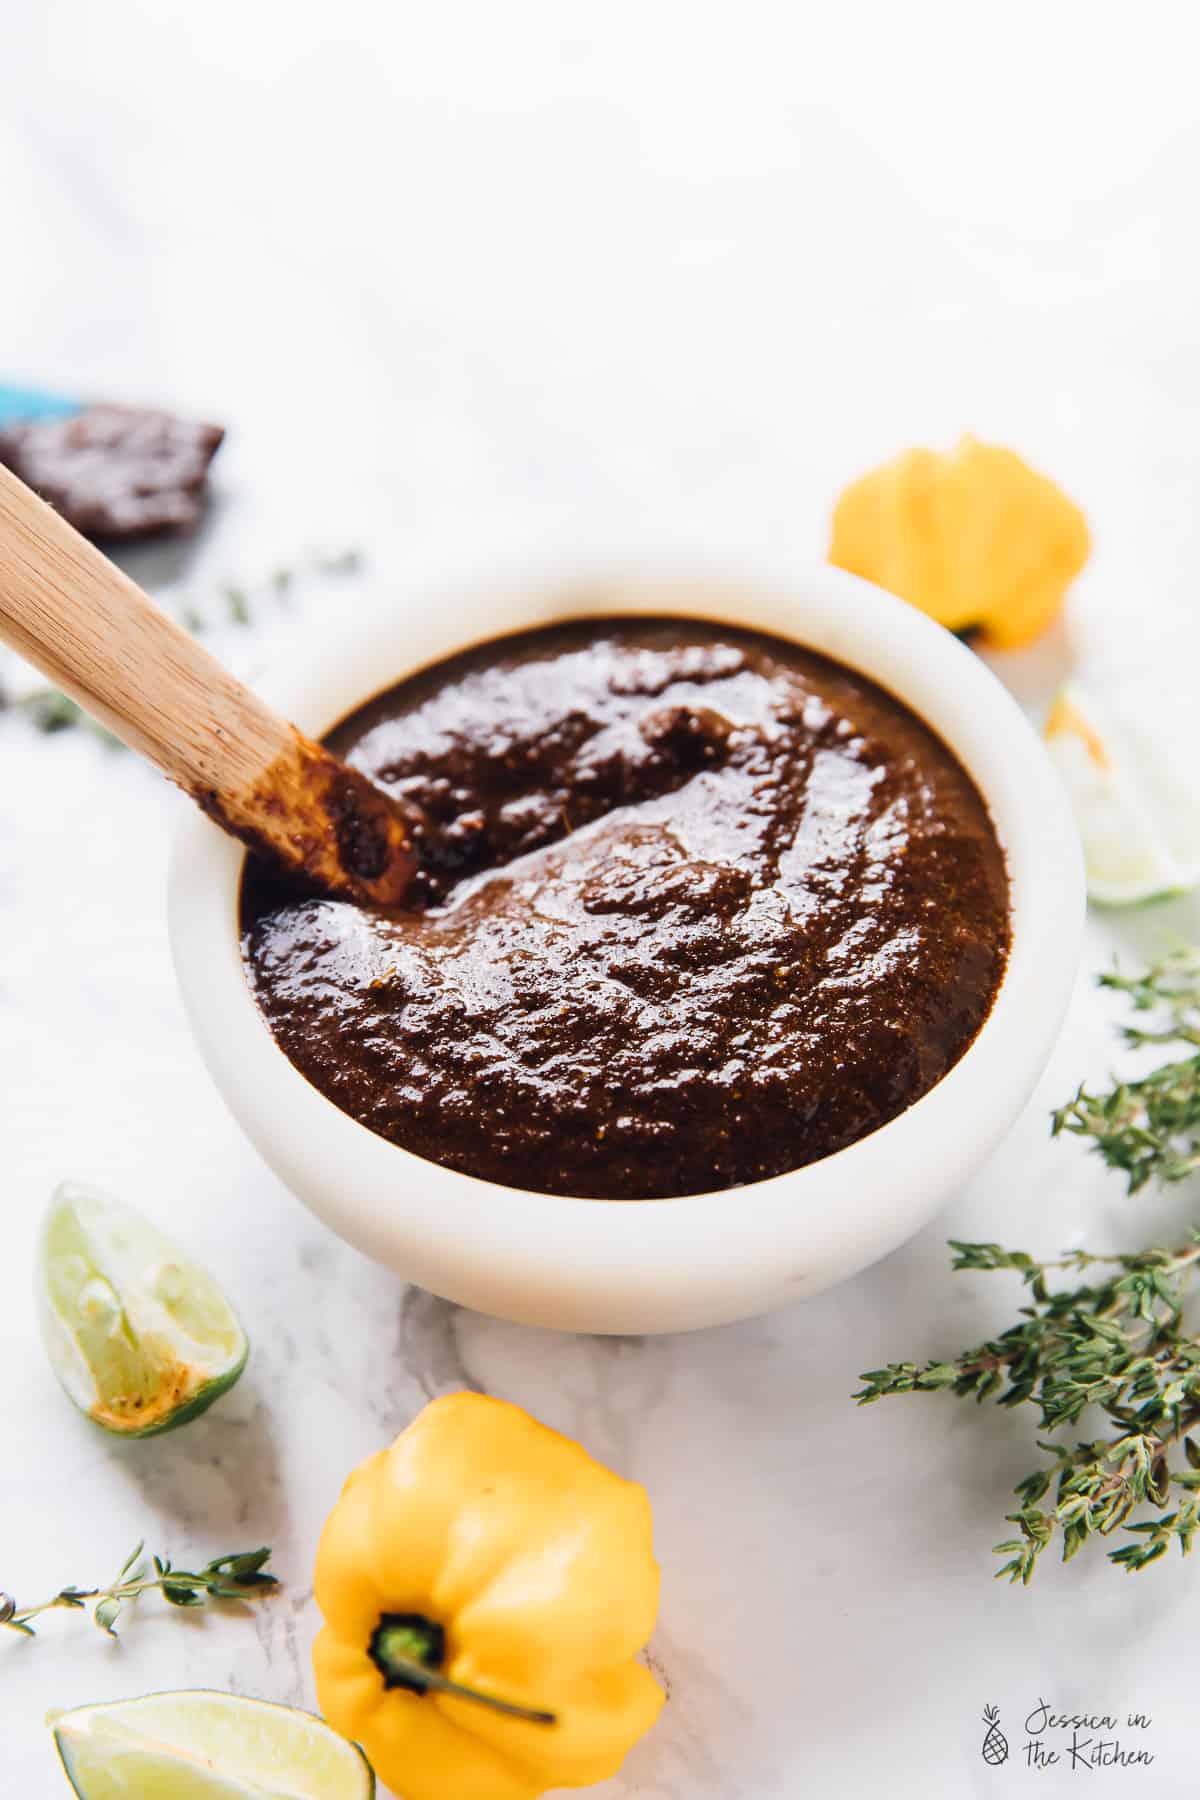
[(1138, 816), (141, 1339), (196, 1745)]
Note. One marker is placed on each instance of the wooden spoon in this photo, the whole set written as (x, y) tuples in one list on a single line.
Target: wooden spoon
[(96, 635)]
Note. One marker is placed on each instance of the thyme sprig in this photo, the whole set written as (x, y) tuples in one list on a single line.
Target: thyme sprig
[(1117, 1339), (1149, 1129), (1118, 1344), (237, 1576)]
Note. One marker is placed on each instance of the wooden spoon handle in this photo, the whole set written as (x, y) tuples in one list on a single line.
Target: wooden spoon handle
[(95, 634)]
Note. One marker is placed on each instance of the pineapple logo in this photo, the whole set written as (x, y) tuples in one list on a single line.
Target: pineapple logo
[(995, 1744)]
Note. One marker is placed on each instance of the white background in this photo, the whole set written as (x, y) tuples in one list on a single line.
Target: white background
[(589, 273)]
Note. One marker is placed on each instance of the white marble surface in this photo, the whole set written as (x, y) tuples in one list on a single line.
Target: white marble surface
[(594, 273)]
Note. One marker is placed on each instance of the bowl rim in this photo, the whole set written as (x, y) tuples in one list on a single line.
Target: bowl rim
[(698, 1257)]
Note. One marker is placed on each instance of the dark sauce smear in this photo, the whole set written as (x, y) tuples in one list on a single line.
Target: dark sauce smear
[(698, 907)]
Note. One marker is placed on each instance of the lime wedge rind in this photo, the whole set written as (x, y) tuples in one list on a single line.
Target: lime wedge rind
[(1138, 818), (197, 1744), (140, 1337)]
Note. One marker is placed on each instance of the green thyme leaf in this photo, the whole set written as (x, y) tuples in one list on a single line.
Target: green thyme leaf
[(106, 1614)]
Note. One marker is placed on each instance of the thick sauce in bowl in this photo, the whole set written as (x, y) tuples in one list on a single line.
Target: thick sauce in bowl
[(700, 907)]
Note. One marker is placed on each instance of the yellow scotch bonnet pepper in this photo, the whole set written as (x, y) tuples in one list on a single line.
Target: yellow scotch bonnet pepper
[(486, 1587), (974, 537)]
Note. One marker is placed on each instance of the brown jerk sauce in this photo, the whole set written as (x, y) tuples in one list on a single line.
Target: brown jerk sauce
[(698, 907)]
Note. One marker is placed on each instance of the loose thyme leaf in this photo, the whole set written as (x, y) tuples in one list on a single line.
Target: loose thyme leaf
[(239, 606)]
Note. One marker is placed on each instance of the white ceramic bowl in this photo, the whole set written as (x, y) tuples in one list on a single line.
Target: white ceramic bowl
[(655, 1265)]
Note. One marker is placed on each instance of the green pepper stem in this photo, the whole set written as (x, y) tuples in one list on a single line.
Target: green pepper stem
[(430, 1681), (406, 1648)]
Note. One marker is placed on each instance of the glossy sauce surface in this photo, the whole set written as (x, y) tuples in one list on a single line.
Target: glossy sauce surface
[(699, 907)]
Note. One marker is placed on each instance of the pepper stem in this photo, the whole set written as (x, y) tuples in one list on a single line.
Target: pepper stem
[(408, 1649)]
